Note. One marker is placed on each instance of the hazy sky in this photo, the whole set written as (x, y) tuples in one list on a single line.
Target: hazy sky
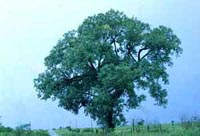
[(30, 28)]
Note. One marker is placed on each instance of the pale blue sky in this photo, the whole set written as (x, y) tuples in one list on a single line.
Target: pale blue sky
[(30, 28)]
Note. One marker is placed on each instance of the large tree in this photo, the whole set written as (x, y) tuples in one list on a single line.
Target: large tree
[(104, 64)]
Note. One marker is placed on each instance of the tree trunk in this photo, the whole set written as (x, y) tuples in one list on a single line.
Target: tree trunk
[(110, 123)]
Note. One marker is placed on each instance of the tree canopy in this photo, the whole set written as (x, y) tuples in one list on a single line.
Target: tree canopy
[(104, 64)]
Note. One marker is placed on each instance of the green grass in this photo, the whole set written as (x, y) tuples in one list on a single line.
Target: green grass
[(25, 133), (153, 130), (22, 130)]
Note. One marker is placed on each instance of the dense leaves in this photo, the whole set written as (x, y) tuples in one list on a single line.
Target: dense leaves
[(103, 65)]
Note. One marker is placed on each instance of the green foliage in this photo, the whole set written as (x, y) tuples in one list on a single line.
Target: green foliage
[(24, 127), (5, 129), (68, 128), (76, 130), (104, 64)]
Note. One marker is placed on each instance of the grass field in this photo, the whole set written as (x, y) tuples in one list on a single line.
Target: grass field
[(25, 133), (22, 130), (182, 129)]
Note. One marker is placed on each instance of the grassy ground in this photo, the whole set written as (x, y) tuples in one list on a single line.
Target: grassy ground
[(25, 133), (22, 130), (147, 130)]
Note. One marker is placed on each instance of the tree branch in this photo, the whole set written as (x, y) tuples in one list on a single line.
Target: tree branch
[(145, 55), (132, 57), (91, 66), (76, 78), (139, 53), (99, 63), (115, 46), (129, 52)]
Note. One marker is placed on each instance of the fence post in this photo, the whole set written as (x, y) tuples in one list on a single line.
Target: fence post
[(148, 128), (131, 132), (160, 126), (133, 125)]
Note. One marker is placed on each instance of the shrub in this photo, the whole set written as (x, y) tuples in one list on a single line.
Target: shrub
[(68, 128), (87, 130)]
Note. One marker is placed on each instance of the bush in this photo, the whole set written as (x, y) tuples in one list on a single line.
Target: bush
[(68, 128), (5, 129), (87, 130), (76, 130)]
